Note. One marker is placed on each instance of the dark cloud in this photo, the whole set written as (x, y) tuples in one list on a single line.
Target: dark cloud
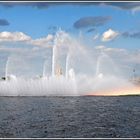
[(4, 22), (53, 28), (39, 5), (131, 35), (122, 5), (32, 4), (90, 30), (91, 21)]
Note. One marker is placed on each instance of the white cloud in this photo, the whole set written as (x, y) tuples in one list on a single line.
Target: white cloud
[(109, 35), (22, 37), (110, 50), (43, 42), (100, 47), (95, 36), (115, 50), (13, 36)]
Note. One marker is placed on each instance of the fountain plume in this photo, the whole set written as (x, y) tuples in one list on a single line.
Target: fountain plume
[(74, 82)]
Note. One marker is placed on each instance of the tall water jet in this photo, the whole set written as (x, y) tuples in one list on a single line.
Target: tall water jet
[(59, 42), (6, 69), (54, 60), (67, 65)]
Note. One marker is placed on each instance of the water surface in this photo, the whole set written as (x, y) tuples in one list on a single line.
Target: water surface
[(70, 117)]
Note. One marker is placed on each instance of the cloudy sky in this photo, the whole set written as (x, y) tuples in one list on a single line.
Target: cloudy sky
[(27, 32)]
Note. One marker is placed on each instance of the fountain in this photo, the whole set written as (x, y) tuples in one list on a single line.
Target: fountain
[(6, 69), (54, 60), (66, 81)]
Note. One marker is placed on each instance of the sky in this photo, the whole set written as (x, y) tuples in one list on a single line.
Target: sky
[(27, 32)]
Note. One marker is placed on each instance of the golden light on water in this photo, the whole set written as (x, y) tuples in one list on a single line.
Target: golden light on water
[(117, 92)]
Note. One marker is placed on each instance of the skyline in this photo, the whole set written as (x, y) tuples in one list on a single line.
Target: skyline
[(30, 28)]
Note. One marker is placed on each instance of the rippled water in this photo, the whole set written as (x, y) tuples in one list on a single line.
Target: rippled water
[(70, 117)]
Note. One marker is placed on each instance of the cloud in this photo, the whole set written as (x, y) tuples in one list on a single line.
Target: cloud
[(109, 35), (109, 49), (8, 49), (4, 22), (13, 36), (131, 34), (91, 21), (90, 30), (54, 28), (33, 4), (133, 6), (113, 52), (40, 5), (100, 47), (124, 5), (95, 36), (43, 42), (22, 37)]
